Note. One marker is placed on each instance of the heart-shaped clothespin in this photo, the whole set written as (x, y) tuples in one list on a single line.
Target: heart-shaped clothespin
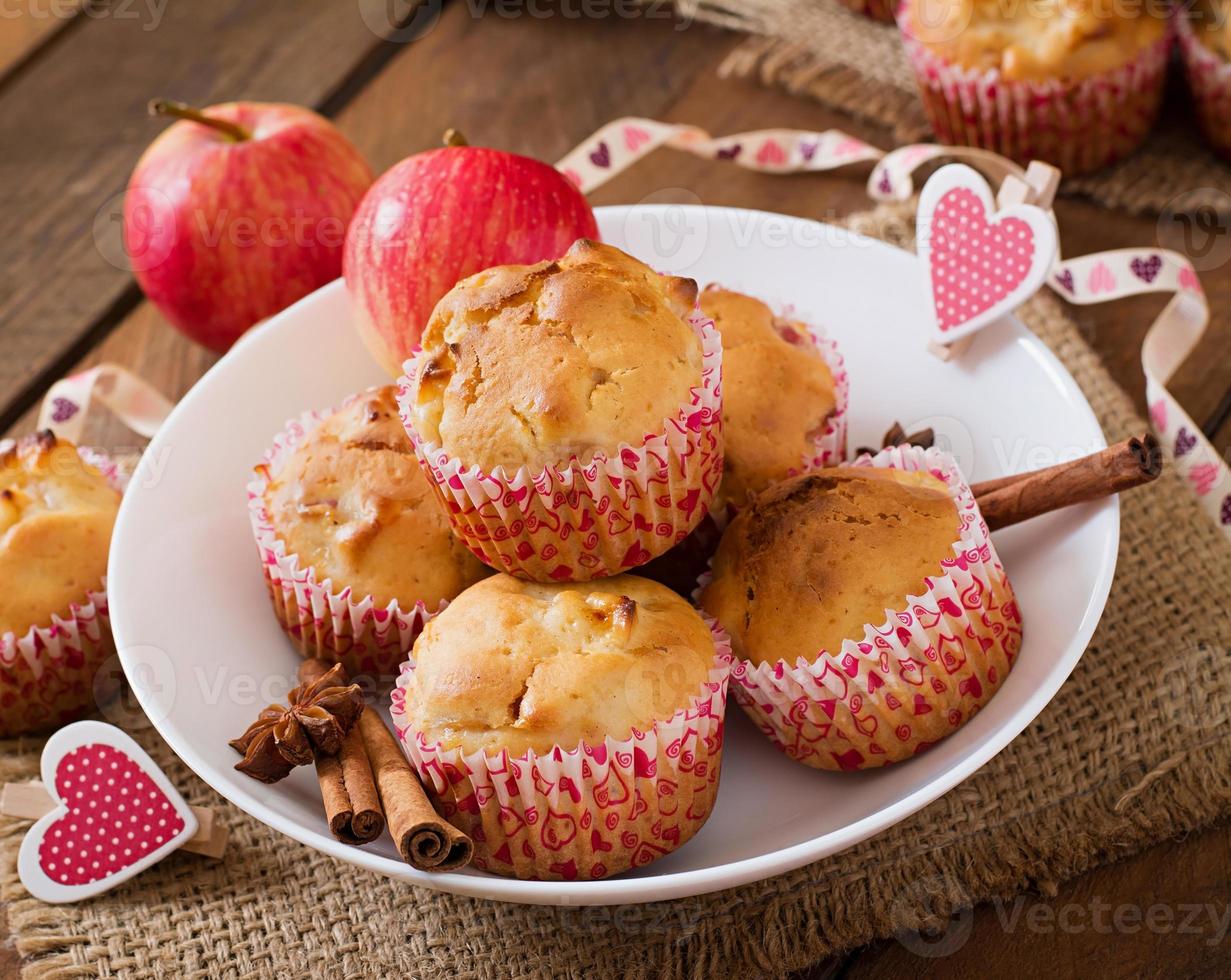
[(981, 258), (116, 815)]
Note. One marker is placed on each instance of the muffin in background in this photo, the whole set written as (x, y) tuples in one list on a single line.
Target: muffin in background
[(57, 509), (1074, 83), (868, 612), (572, 730), (784, 395), (1204, 30), (568, 413), (356, 549)]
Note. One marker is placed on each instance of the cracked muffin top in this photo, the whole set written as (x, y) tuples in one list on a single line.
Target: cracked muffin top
[(352, 503), (1047, 39), (817, 559), (776, 394), (532, 365), (524, 666), (56, 516)]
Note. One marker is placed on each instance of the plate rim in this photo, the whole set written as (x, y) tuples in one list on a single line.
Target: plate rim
[(617, 890)]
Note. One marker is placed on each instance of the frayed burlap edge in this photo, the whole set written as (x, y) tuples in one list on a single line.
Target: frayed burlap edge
[(824, 51), (1134, 749)]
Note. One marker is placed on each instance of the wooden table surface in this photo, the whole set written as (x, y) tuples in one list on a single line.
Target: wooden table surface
[(75, 76)]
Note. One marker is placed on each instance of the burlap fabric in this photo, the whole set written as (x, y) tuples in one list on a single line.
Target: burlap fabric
[(1134, 749), (821, 49)]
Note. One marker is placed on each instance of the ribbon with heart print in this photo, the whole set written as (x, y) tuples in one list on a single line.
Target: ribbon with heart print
[(131, 399), (1096, 278)]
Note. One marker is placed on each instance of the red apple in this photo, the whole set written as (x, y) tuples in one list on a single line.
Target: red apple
[(236, 211), (440, 216)]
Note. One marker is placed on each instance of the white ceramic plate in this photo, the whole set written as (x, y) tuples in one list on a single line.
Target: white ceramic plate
[(199, 641)]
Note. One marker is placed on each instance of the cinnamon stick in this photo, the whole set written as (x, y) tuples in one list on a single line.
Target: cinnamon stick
[(424, 838), (1011, 499), (348, 787)]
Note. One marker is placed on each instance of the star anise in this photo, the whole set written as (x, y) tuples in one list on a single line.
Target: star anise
[(319, 717), (897, 436)]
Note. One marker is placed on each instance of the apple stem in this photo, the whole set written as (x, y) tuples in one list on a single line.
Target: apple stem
[(453, 138), (181, 110)]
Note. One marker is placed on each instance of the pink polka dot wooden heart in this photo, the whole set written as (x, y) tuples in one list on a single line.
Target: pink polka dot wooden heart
[(978, 263), (117, 815)]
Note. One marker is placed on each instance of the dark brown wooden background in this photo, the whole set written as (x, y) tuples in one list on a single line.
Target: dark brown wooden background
[(74, 81)]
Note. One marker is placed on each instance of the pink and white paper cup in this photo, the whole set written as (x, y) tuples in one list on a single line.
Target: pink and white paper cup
[(332, 623), (1078, 126), (1209, 79), (48, 675), (909, 681), (588, 811), (587, 519)]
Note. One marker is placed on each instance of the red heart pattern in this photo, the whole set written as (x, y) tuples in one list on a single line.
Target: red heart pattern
[(976, 263), (586, 811), (649, 497), (951, 647), (116, 817)]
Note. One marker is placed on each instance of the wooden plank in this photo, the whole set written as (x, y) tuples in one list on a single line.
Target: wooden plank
[(73, 125), (26, 25), (1161, 913)]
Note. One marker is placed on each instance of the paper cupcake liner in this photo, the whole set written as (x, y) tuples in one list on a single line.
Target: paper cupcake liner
[(47, 676), (911, 680), (589, 519), (367, 639), (1209, 78), (1077, 126), (587, 812)]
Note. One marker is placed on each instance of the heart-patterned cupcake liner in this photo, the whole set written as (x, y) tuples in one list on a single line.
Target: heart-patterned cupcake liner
[(1077, 126), (335, 624), (594, 518), (588, 811), (48, 675), (909, 681), (1209, 79)]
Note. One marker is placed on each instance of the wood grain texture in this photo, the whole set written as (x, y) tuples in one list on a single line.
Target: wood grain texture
[(70, 143), (26, 25)]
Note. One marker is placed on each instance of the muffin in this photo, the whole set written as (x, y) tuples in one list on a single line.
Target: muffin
[(784, 395), (1205, 42), (867, 610), (356, 549), (1071, 82), (569, 413), (572, 730), (57, 510)]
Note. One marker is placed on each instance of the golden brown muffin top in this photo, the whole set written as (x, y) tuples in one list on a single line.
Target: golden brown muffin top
[(56, 516), (352, 503), (524, 666), (815, 560), (776, 394), (1211, 20), (1035, 41), (531, 365)]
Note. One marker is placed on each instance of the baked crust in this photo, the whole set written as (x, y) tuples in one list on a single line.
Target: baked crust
[(56, 517), (1038, 41), (534, 365), (777, 394), (815, 560), (353, 503), (524, 666)]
